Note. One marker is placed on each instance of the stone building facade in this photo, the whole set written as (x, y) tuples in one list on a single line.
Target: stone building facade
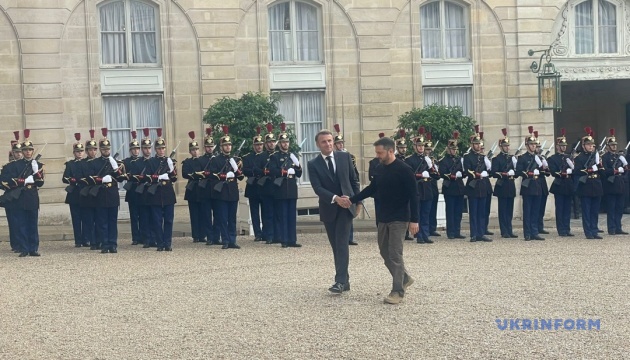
[(71, 65)]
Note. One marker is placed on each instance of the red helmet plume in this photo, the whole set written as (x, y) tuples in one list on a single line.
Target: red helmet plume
[(104, 132), (455, 135), (27, 133), (257, 130), (588, 130), (563, 132), (504, 131), (209, 131), (530, 129), (269, 127), (381, 135), (481, 134), (476, 129), (145, 131), (191, 135), (92, 133), (428, 136), (77, 136), (401, 133), (337, 128), (159, 132), (225, 129), (283, 127), (536, 133), (134, 135), (421, 130), (16, 134), (612, 132)]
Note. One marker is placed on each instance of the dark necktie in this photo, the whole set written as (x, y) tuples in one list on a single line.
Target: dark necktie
[(331, 168)]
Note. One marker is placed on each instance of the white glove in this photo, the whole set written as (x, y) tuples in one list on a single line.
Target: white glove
[(620, 170), (163, 176), (623, 160), (291, 171), (34, 166), (425, 174), (107, 179), (458, 174), (29, 180), (428, 161), (169, 161), (511, 172), (514, 161), (537, 160), (569, 171), (570, 163), (294, 159), (484, 174), (229, 175), (233, 164), (488, 163), (594, 167), (536, 172), (113, 163), (596, 157), (545, 163)]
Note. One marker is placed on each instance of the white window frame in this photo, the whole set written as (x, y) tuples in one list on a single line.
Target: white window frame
[(320, 36), (128, 37), (466, 14), (620, 26), (445, 94)]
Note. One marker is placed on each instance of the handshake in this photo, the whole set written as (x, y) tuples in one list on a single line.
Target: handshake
[(343, 201)]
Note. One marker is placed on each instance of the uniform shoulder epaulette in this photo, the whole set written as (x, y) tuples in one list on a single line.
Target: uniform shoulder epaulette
[(408, 156)]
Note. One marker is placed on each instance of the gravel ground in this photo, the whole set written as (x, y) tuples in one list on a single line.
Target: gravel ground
[(264, 302)]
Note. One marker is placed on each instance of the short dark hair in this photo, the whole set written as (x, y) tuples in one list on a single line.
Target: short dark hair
[(385, 142), (322, 132)]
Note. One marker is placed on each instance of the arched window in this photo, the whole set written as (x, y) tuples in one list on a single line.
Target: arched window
[(444, 30), (294, 32), (595, 28), (129, 33)]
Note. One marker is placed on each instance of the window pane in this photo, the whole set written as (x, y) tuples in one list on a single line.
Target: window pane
[(433, 96), (430, 31), (113, 46), (460, 96), (607, 27), (143, 33), (306, 32), (147, 112), (455, 32), (280, 33), (117, 120), (584, 35)]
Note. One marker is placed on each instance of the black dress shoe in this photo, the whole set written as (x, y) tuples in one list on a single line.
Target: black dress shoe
[(168, 249), (434, 233), (600, 230), (460, 236), (544, 232), (527, 238), (216, 243), (284, 245), (86, 245), (93, 247), (113, 251), (337, 288), (420, 241), (428, 241), (353, 243), (473, 239), (621, 232), (300, 245), (513, 236), (597, 237), (505, 236), (569, 234), (134, 243), (450, 237), (146, 246), (484, 239), (269, 242), (160, 249), (233, 246), (77, 245), (488, 233), (258, 239), (225, 246), (611, 233), (195, 240), (23, 254), (104, 251), (209, 243), (537, 237), (589, 237), (408, 238)]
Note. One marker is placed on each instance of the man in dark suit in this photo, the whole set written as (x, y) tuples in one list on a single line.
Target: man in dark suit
[(332, 175)]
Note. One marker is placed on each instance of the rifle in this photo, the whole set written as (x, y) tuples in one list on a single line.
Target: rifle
[(525, 183), (117, 153), (456, 162), (153, 187), (542, 148), (218, 187), (15, 193), (520, 147), (574, 151), (95, 189), (582, 178), (473, 183), (492, 150)]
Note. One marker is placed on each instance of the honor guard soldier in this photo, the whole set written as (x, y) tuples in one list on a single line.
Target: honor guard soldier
[(137, 175), (544, 172), (401, 145), (204, 191), (160, 195), (435, 176), (285, 167), (227, 170), (190, 167), (528, 167), (134, 164), (503, 166), (339, 144), (251, 188), (88, 205), (476, 168), (23, 179), (422, 167), (486, 217), (14, 155), (561, 167), (614, 167), (374, 171), (72, 176), (104, 175), (588, 185), (266, 188), (452, 172)]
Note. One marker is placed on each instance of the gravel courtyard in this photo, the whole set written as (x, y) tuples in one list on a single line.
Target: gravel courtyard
[(264, 302)]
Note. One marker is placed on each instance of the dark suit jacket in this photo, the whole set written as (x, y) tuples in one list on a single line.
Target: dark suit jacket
[(324, 184)]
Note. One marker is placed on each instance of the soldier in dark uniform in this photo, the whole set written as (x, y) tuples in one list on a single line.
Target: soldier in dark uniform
[(588, 185), (435, 176), (134, 165), (285, 167), (477, 186), (205, 179), (226, 170), (544, 172), (528, 167), (486, 216), (561, 167), (14, 155), (190, 167), (374, 171), (72, 176), (251, 188), (103, 175), (452, 172), (422, 167), (266, 188), (339, 144), (161, 173), (137, 175), (614, 167), (503, 166), (23, 178), (87, 204)]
